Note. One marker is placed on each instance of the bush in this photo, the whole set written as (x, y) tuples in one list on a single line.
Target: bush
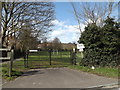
[(102, 44)]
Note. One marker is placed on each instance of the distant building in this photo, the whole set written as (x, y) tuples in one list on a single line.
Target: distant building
[(64, 46), (69, 46)]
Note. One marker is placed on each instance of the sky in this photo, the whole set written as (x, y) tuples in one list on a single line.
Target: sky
[(66, 26)]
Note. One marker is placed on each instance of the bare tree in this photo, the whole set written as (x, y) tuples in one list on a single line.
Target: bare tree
[(77, 17), (11, 12), (26, 38), (92, 12), (56, 44), (16, 14)]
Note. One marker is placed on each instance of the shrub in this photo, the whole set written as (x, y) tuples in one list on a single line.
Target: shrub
[(102, 44)]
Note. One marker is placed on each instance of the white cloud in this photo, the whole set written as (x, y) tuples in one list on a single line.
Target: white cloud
[(66, 33), (58, 23)]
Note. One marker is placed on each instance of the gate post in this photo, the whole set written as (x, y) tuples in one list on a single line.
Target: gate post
[(50, 55), (11, 55), (27, 53), (9, 69), (73, 56), (24, 59)]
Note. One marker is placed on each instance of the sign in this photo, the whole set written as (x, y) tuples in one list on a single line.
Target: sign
[(80, 47), (33, 50)]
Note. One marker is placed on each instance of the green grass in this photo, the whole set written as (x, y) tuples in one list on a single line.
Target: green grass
[(62, 59), (36, 60), (42, 59), (103, 71), (18, 70), (79, 56)]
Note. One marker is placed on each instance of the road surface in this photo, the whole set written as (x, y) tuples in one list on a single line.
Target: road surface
[(58, 78)]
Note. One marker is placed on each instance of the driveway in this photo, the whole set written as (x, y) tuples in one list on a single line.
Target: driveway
[(58, 78)]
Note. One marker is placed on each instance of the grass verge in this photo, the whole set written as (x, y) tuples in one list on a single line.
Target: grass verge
[(102, 71), (17, 70)]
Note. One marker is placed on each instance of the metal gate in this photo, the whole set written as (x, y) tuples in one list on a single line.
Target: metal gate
[(48, 58)]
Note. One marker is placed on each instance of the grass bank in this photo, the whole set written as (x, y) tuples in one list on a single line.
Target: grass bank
[(102, 71)]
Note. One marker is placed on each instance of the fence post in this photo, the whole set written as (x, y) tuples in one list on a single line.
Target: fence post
[(11, 55), (61, 54), (73, 56), (27, 53), (50, 55), (24, 59), (12, 58)]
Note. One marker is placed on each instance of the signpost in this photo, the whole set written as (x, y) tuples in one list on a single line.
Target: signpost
[(80, 47)]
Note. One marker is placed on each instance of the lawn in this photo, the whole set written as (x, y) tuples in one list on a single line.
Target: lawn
[(37, 60), (42, 59)]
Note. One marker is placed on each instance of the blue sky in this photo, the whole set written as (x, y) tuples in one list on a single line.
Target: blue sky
[(65, 24), (64, 12)]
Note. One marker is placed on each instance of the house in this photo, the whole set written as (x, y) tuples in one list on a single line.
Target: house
[(68, 46), (64, 46)]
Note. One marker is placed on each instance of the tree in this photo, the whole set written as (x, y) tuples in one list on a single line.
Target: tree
[(11, 12), (56, 44), (16, 14), (87, 13), (91, 39), (102, 47), (27, 39), (45, 42)]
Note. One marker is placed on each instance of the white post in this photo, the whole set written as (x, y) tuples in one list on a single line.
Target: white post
[(73, 49), (57, 52)]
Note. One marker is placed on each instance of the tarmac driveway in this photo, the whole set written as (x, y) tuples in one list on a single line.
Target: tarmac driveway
[(58, 78)]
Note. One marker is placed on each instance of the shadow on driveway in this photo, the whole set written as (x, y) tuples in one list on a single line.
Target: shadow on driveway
[(34, 72)]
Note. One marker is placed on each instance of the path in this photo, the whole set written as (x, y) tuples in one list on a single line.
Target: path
[(58, 78)]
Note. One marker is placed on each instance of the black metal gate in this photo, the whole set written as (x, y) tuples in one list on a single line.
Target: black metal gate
[(48, 58)]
